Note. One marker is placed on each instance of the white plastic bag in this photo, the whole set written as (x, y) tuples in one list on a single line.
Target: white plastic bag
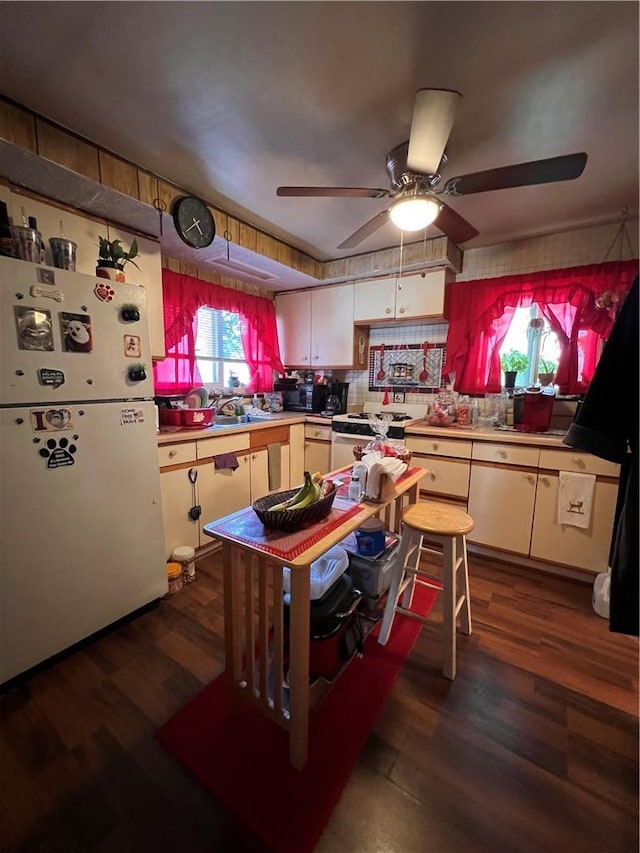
[(601, 590)]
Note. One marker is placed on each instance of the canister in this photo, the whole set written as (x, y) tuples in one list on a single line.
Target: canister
[(174, 577), (370, 537), (185, 555)]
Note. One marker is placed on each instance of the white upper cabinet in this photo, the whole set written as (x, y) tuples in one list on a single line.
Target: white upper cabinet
[(315, 327), (420, 295)]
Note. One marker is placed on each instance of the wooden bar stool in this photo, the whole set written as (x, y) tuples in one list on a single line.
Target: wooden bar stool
[(447, 527)]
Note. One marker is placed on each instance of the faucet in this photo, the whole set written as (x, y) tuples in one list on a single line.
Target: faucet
[(226, 403)]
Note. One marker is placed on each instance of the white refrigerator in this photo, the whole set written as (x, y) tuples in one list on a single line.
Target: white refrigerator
[(81, 538)]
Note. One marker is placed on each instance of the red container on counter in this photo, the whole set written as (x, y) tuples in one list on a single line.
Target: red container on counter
[(532, 408), (193, 418)]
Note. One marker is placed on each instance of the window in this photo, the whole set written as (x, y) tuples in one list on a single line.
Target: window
[(218, 348), (530, 334)]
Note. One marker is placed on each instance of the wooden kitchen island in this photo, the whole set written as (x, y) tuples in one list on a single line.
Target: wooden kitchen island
[(254, 627)]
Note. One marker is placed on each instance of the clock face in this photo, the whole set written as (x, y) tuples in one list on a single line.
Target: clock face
[(194, 222)]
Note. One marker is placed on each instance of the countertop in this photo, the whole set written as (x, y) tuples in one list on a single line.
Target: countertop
[(552, 438), (171, 435)]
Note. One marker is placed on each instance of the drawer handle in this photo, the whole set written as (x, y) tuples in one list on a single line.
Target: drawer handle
[(503, 454), (172, 453), (579, 462)]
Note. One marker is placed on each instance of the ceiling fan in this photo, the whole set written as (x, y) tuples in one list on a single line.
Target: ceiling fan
[(414, 171)]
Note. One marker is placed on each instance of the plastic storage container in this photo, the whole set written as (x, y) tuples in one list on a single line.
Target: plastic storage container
[(370, 537), (174, 577), (192, 418), (186, 556), (325, 571), (372, 575)]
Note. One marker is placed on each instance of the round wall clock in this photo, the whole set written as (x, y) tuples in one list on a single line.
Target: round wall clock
[(193, 221)]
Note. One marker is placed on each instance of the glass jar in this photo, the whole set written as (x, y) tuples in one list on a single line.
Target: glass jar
[(174, 577), (185, 555)]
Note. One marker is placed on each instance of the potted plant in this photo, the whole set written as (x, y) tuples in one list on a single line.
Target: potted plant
[(512, 363), (112, 259), (546, 370), (130, 312)]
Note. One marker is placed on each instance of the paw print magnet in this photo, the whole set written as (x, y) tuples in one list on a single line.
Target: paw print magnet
[(59, 453)]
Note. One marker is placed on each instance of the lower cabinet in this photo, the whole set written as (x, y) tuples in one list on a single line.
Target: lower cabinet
[(583, 548), (177, 498), (222, 492), (317, 448), (501, 503)]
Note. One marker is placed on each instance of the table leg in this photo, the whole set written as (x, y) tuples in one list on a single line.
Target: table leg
[(299, 616), (231, 560)]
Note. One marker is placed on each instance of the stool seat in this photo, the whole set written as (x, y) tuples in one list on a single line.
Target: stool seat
[(439, 519), (445, 526)]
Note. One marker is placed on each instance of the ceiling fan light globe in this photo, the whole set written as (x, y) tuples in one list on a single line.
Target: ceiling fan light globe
[(414, 214)]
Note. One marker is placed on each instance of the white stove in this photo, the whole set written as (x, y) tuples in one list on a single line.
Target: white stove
[(354, 428)]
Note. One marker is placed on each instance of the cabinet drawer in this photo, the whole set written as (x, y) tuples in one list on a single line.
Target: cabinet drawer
[(437, 447), (176, 454), (318, 433), (579, 463), (506, 454), (225, 444), (445, 476)]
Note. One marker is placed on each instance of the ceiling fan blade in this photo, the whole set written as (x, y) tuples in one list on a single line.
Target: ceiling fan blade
[(454, 226), (366, 231), (564, 168), (334, 192), (434, 112)]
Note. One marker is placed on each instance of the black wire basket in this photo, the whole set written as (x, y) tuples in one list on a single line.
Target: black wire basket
[(291, 519)]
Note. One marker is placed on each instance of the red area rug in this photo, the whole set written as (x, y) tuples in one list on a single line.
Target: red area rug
[(243, 760)]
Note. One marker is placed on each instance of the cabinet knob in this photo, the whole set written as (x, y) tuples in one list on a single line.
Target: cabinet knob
[(172, 453), (545, 481), (316, 357), (578, 460), (401, 311), (435, 446), (432, 475), (502, 454), (387, 310), (254, 456), (530, 478)]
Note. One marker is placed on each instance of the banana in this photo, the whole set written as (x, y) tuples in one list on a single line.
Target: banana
[(299, 495), (311, 493), (307, 494)]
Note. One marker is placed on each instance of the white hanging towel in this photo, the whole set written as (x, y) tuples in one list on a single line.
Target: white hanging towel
[(575, 499)]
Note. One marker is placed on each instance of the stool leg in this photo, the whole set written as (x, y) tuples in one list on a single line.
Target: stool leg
[(465, 612), (397, 575), (449, 608), (407, 595)]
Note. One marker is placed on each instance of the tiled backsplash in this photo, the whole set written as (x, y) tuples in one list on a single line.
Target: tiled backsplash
[(552, 251)]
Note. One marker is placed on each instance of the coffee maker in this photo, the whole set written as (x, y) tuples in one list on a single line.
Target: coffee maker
[(336, 403)]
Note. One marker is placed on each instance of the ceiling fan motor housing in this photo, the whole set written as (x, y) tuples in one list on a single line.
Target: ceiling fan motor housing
[(400, 176)]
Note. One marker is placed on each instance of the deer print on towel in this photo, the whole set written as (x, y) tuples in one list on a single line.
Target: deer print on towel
[(576, 506)]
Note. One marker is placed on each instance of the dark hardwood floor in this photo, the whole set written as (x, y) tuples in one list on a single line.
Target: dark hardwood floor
[(534, 746)]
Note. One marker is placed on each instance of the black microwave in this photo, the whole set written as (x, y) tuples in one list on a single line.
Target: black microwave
[(302, 398)]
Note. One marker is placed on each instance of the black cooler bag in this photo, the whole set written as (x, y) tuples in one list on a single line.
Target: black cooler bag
[(335, 631)]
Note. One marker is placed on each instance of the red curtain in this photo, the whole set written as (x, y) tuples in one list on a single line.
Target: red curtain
[(480, 311), (182, 296)]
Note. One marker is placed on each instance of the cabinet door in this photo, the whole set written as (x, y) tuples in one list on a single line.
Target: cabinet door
[(317, 456), (296, 454), (421, 295), (332, 326), (293, 316), (501, 504), (445, 476), (177, 499), (374, 300), (260, 472), (573, 546), (149, 275), (223, 492)]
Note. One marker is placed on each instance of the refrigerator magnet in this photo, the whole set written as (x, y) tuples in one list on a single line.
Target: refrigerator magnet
[(104, 292), (76, 332), (51, 420), (59, 453), (34, 327), (132, 346), (131, 416)]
